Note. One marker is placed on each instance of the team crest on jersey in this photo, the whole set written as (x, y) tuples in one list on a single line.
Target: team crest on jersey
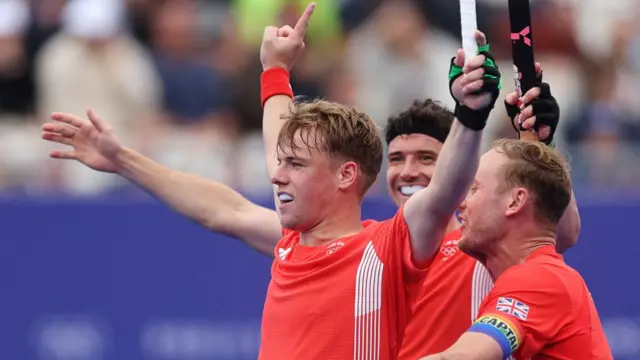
[(507, 335), (449, 248), (333, 247)]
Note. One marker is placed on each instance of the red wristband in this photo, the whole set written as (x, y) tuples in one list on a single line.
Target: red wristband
[(274, 81)]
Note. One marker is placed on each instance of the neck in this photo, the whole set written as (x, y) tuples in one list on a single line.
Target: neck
[(515, 248), (344, 221)]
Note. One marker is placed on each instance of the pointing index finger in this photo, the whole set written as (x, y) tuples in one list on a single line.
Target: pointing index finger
[(301, 26)]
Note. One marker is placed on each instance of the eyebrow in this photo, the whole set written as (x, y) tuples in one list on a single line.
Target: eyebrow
[(421, 152), (290, 159)]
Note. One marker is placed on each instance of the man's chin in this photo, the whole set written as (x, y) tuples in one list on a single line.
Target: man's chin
[(467, 247), (290, 224)]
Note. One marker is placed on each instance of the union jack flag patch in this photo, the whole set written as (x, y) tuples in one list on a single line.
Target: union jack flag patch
[(513, 307)]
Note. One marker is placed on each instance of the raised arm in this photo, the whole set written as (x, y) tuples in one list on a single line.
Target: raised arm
[(569, 227), (209, 203), (542, 114), (475, 87), (278, 53)]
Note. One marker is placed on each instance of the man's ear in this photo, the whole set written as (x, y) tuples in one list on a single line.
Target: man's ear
[(347, 175), (518, 199)]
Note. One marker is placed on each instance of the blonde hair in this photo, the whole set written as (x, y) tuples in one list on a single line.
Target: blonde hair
[(341, 131), (541, 170)]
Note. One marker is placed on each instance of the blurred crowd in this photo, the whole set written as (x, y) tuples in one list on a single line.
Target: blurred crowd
[(179, 79)]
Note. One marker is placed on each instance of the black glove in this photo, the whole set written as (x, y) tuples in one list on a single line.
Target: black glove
[(545, 108), (477, 119)]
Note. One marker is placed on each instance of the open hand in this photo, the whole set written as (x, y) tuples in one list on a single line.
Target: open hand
[(92, 142)]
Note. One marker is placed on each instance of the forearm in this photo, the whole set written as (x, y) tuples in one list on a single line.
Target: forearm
[(429, 211), (203, 201), (453, 356), (272, 122), (455, 169), (568, 227)]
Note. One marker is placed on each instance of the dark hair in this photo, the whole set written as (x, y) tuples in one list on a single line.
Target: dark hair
[(342, 131), (428, 117), (541, 170)]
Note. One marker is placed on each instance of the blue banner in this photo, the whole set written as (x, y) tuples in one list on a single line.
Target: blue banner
[(99, 280)]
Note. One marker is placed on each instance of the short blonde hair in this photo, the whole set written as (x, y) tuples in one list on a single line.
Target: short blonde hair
[(342, 131), (541, 170)]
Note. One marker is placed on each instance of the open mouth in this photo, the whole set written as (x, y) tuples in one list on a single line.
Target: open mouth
[(285, 198), (408, 190)]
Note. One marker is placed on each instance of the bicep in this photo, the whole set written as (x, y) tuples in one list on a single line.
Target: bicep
[(474, 346), (257, 227)]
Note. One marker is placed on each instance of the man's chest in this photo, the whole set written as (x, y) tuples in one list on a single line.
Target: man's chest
[(331, 288)]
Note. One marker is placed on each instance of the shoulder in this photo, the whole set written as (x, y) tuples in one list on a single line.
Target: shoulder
[(396, 220), (391, 231), (531, 281)]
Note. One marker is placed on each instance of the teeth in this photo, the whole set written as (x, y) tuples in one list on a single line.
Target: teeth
[(410, 190), (285, 197)]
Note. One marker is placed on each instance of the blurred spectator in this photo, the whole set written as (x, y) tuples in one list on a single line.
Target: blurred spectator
[(47, 17), (16, 86), (180, 78), (93, 62), (610, 123), (254, 15), (17, 94), (196, 100), (194, 94), (396, 58)]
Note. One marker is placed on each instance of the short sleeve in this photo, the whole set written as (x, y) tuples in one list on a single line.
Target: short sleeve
[(525, 309), (397, 242)]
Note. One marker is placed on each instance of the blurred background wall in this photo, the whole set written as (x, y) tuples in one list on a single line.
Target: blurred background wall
[(93, 269)]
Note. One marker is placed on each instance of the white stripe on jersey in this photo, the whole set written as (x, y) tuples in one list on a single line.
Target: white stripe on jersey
[(368, 302), (481, 285)]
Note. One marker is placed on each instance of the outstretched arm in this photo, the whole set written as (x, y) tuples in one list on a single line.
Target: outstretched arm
[(471, 346), (208, 203), (475, 86)]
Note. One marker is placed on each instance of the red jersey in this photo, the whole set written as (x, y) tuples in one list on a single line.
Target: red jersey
[(448, 302), (542, 309), (347, 299)]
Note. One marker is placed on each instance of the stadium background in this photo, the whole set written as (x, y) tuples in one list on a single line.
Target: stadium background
[(92, 268)]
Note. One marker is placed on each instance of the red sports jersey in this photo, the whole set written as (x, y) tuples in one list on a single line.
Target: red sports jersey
[(542, 309), (347, 299), (448, 302)]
